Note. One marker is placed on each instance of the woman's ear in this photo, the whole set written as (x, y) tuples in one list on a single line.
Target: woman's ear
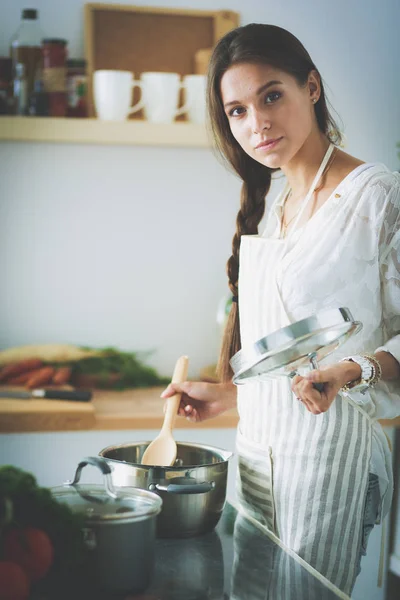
[(314, 85)]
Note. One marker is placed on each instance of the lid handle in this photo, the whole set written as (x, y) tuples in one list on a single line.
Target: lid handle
[(104, 467), (312, 357), (313, 360)]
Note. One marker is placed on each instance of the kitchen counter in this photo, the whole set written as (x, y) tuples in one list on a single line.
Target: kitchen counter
[(238, 560), (108, 410)]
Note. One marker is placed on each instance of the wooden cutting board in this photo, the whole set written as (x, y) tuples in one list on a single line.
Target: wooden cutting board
[(44, 415)]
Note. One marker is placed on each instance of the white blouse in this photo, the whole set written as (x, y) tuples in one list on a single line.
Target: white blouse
[(348, 254)]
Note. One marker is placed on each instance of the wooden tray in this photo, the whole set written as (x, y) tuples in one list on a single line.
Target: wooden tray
[(142, 38)]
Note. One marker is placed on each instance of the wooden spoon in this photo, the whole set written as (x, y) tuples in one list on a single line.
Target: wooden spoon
[(162, 450)]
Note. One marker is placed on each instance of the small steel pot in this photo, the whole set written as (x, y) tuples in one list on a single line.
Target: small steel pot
[(193, 490), (120, 529)]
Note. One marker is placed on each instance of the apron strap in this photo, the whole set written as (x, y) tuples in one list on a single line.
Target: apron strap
[(302, 208), (313, 185)]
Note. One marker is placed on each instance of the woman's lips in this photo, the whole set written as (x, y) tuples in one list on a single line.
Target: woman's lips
[(268, 145)]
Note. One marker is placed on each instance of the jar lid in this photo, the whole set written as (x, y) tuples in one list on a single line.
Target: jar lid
[(91, 500), (76, 63), (58, 41), (29, 13)]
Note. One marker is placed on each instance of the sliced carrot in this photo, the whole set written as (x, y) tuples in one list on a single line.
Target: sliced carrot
[(14, 369), (23, 378), (42, 377), (62, 375)]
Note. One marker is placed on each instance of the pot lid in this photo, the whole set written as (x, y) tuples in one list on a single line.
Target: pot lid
[(300, 344), (93, 502), (106, 503)]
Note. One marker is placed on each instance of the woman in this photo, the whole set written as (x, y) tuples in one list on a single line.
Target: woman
[(314, 467)]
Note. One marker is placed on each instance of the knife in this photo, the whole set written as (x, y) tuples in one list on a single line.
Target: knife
[(76, 395)]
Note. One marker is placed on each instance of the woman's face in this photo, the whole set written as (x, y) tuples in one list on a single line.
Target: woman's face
[(269, 114)]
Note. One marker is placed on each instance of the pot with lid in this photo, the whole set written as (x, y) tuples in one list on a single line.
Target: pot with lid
[(119, 529), (193, 490)]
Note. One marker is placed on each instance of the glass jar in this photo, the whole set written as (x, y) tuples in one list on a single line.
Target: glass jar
[(76, 88), (54, 75), (25, 47)]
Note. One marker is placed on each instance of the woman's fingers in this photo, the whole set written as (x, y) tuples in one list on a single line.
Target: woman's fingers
[(314, 401), (201, 400), (191, 413), (172, 389), (188, 411), (186, 408), (196, 390)]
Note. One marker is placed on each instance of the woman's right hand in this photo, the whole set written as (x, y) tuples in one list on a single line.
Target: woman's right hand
[(200, 400)]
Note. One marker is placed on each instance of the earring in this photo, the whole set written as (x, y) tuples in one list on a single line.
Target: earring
[(314, 100)]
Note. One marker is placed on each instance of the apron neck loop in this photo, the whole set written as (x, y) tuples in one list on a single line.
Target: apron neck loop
[(313, 185)]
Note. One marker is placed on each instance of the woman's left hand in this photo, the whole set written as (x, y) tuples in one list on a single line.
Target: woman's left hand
[(333, 378)]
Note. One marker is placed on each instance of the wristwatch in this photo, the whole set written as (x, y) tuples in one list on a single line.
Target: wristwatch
[(367, 375)]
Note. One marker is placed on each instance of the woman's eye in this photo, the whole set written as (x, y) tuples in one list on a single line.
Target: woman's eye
[(272, 97), (237, 111)]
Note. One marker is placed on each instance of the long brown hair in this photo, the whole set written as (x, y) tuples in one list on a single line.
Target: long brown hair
[(272, 45)]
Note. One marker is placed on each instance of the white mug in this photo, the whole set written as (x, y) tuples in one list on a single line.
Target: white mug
[(160, 95), (195, 98), (112, 93)]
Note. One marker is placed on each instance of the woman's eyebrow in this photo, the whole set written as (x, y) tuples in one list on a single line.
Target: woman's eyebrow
[(258, 92)]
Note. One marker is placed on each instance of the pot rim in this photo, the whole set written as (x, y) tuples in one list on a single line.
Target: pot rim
[(226, 455), (153, 508)]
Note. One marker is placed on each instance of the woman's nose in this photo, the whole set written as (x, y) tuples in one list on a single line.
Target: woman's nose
[(259, 121)]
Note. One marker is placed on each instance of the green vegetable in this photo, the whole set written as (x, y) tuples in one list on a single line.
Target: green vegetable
[(24, 504), (131, 369)]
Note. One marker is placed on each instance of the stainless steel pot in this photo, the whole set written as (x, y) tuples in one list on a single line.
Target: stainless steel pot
[(193, 490), (119, 532)]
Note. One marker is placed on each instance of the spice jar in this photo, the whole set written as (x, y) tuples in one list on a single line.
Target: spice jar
[(76, 88), (54, 75)]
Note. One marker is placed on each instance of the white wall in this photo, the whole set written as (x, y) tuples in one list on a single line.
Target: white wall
[(126, 245)]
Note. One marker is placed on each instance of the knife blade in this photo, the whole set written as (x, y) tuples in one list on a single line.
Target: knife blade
[(75, 395)]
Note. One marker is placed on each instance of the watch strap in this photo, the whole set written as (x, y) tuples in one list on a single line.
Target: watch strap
[(368, 374)]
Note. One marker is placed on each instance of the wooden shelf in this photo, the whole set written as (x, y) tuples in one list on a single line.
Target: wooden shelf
[(92, 131)]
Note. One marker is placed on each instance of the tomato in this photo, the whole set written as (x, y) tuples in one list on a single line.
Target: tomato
[(14, 582), (31, 549)]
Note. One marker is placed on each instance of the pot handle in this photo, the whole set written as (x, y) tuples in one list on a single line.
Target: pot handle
[(100, 463), (186, 488)]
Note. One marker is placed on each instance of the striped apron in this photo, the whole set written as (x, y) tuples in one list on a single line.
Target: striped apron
[(303, 476)]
